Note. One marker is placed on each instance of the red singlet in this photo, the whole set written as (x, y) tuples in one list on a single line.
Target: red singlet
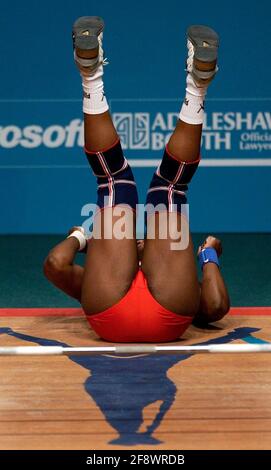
[(138, 317)]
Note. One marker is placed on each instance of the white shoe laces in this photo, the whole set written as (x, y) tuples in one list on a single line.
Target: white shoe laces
[(102, 60), (190, 58), (190, 61)]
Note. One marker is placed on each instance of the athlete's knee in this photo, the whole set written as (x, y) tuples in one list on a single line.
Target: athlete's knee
[(116, 184), (170, 182)]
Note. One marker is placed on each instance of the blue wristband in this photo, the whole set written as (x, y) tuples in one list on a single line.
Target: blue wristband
[(208, 255)]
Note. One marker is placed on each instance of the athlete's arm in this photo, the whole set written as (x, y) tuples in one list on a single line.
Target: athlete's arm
[(214, 300), (60, 270)]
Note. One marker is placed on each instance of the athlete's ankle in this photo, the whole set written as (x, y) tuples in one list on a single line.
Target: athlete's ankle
[(192, 111)]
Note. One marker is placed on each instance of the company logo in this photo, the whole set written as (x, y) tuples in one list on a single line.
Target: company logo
[(144, 131), (133, 129), (34, 135), (147, 131), (231, 131), (237, 131)]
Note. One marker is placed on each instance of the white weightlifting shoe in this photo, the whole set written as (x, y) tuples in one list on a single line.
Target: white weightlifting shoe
[(87, 35), (202, 44)]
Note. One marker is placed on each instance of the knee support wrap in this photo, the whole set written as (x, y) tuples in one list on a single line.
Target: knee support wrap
[(170, 182), (116, 184)]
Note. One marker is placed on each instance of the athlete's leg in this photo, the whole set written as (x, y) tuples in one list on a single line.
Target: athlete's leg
[(111, 263), (171, 274)]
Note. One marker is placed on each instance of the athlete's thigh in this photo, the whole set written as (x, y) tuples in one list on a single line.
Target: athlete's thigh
[(111, 265), (169, 266)]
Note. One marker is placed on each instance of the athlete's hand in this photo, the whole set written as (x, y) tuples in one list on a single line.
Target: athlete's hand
[(212, 242)]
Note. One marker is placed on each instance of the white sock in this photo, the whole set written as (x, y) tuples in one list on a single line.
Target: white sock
[(192, 110), (94, 101)]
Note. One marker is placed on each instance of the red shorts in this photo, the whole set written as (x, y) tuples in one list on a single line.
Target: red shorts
[(138, 317)]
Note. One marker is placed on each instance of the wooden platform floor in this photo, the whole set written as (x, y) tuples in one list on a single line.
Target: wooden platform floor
[(150, 402)]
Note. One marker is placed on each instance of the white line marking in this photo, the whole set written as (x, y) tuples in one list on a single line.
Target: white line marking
[(180, 98), (150, 163), (78, 100), (41, 167), (41, 100), (238, 162)]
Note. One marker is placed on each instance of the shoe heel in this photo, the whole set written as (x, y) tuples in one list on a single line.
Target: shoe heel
[(86, 47), (206, 55)]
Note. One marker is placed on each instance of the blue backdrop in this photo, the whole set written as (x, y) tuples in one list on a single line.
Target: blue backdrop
[(44, 177)]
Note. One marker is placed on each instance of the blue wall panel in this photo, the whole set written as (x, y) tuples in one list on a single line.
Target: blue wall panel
[(44, 177)]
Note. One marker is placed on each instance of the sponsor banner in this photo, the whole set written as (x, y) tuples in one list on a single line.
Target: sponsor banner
[(232, 129), (51, 133)]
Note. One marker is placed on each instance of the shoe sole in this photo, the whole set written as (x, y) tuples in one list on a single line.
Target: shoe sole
[(205, 41), (85, 32)]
